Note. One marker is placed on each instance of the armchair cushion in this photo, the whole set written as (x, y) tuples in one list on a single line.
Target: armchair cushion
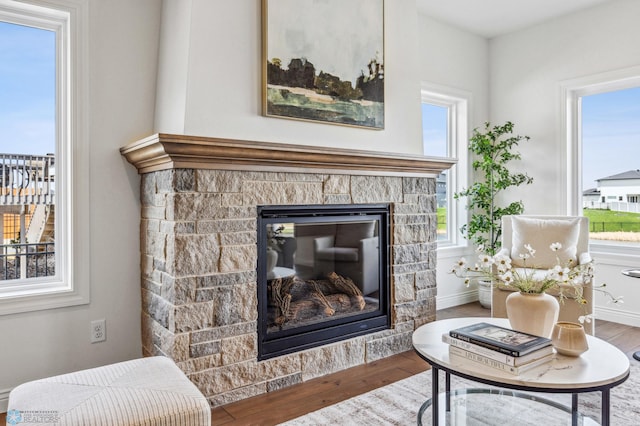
[(338, 254), (540, 234), (350, 234)]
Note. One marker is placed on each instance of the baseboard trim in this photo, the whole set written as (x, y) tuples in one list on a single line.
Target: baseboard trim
[(4, 400), (617, 315), (456, 299)]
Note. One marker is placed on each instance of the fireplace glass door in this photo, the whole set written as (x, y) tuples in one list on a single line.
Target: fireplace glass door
[(322, 275)]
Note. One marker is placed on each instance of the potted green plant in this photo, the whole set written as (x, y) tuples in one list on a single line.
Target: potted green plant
[(494, 149)]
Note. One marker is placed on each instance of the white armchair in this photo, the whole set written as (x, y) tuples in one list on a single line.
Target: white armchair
[(352, 252), (540, 232)]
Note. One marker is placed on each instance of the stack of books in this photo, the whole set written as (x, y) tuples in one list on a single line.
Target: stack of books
[(497, 347)]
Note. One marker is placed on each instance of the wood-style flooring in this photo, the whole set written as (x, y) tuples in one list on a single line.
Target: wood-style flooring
[(285, 404), (276, 407)]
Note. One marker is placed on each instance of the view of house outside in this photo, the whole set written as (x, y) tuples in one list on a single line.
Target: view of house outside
[(611, 164), (27, 151), (610, 127)]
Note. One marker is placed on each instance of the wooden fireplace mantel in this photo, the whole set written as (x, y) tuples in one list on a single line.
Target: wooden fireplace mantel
[(167, 151)]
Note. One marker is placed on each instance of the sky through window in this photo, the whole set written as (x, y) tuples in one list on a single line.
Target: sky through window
[(27, 90)]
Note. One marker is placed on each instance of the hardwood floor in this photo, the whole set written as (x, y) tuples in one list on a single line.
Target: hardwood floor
[(276, 407), (279, 406)]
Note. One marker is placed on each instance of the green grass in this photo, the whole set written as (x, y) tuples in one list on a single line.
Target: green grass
[(442, 219), (600, 220), (612, 221)]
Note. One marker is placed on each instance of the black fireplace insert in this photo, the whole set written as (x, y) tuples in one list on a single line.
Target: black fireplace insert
[(323, 275)]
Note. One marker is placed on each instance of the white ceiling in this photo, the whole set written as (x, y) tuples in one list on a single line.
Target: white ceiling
[(491, 18)]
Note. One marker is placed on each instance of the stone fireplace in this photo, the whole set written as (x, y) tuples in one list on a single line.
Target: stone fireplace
[(199, 252), (323, 275)]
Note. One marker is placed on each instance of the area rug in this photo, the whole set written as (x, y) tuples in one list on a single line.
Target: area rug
[(399, 403)]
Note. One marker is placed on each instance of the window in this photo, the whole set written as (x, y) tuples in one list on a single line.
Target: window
[(602, 133), (435, 138), (41, 151), (445, 134), (27, 147)]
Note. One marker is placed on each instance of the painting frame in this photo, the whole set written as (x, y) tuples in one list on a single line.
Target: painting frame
[(323, 61)]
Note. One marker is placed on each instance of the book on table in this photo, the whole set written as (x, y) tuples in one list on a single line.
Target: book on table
[(500, 339), (461, 354), (495, 355)]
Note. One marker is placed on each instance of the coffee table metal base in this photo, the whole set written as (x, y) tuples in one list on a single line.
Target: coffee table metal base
[(445, 397)]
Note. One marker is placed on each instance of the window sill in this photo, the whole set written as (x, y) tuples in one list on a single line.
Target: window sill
[(37, 298)]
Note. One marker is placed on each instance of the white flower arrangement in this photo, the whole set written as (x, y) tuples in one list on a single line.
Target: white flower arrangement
[(563, 277), (274, 237)]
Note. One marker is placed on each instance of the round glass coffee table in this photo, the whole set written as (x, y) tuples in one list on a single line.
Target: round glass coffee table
[(600, 368)]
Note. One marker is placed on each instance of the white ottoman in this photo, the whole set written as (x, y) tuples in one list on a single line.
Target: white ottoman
[(147, 391)]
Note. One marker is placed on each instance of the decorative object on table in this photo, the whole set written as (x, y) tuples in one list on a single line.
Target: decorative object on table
[(456, 352), (529, 308), (494, 149), (501, 339), (275, 240), (534, 313), (324, 61), (272, 259), (540, 232), (569, 338), (497, 359), (497, 355)]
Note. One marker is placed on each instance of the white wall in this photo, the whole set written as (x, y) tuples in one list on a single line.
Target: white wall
[(123, 42), (221, 98), (460, 61), (173, 65), (527, 69), (218, 94), (223, 91), (224, 83)]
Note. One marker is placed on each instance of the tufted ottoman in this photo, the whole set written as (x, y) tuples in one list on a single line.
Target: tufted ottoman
[(147, 391)]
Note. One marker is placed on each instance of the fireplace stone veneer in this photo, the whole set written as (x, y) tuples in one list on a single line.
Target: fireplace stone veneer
[(199, 256)]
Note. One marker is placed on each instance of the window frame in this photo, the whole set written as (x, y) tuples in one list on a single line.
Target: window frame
[(571, 93), (458, 104), (70, 285)]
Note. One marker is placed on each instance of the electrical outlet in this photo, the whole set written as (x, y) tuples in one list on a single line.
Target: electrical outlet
[(98, 330)]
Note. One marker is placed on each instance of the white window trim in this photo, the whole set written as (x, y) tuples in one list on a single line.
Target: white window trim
[(70, 286), (571, 92), (458, 103)]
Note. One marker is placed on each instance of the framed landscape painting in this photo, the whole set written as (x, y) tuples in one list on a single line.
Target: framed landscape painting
[(323, 60)]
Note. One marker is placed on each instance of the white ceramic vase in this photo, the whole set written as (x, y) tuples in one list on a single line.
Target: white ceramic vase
[(272, 259), (533, 313)]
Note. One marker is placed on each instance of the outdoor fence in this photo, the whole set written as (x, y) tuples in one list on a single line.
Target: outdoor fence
[(614, 227), (20, 261), (26, 179), (618, 206)]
